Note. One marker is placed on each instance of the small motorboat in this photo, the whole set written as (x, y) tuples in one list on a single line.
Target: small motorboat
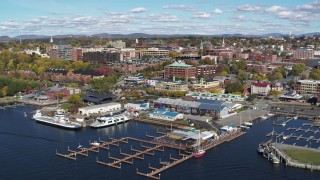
[(95, 143)]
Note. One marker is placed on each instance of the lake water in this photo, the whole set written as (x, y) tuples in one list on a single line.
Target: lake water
[(27, 151)]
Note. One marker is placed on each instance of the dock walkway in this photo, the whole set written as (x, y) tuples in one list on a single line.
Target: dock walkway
[(148, 150)]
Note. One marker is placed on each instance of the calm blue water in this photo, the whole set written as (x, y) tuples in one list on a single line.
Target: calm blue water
[(27, 151)]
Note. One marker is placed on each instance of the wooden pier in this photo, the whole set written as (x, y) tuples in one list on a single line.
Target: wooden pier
[(155, 173), (94, 148), (148, 148), (293, 136)]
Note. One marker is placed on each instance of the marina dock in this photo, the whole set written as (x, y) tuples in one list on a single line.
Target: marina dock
[(278, 135), (148, 148)]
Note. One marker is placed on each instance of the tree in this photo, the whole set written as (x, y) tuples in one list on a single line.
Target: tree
[(234, 68), (74, 99), (234, 87), (315, 74), (297, 69), (242, 75), (275, 93)]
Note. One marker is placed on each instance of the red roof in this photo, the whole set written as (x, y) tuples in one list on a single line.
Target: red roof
[(259, 84)]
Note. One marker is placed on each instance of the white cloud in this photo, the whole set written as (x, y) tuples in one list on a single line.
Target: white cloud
[(202, 15), (312, 7), (181, 7), (276, 9), (239, 18), (138, 10), (248, 8), (163, 18), (217, 11)]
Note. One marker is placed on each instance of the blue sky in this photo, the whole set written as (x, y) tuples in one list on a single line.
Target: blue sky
[(53, 17)]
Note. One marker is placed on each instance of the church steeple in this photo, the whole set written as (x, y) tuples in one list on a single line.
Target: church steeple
[(223, 42), (51, 40)]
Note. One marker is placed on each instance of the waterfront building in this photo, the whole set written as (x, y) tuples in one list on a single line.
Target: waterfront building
[(165, 115), (215, 96), (307, 87), (261, 88), (100, 109), (209, 108), (98, 98), (179, 69), (137, 106)]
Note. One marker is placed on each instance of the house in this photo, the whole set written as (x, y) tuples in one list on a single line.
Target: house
[(261, 88), (278, 86)]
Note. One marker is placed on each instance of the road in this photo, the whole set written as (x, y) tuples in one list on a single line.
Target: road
[(247, 115)]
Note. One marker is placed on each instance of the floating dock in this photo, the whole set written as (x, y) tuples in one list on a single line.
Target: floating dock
[(148, 149), (293, 136)]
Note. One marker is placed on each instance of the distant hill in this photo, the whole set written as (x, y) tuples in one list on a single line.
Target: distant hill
[(143, 35)]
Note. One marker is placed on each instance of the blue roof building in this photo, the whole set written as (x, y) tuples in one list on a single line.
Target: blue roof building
[(165, 115)]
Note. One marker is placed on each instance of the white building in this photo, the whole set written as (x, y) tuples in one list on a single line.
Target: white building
[(137, 106), (36, 52), (119, 44), (99, 109), (152, 82), (165, 115), (261, 88)]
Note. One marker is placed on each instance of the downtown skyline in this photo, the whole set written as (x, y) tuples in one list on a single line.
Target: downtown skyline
[(53, 17)]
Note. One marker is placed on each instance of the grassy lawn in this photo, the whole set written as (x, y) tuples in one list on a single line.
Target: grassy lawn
[(304, 156), (66, 106)]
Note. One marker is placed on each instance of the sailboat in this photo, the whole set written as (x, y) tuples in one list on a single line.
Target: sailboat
[(199, 152), (249, 124)]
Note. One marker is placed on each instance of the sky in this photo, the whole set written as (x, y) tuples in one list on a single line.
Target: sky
[(208, 17)]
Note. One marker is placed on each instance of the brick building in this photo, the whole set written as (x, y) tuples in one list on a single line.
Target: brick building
[(303, 54), (180, 69), (261, 68), (262, 57), (102, 57), (307, 86), (206, 71)]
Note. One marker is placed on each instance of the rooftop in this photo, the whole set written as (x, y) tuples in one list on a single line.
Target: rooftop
[(179, 64), (260, 84)]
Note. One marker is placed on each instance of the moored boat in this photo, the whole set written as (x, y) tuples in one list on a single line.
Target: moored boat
[(248, 124), (59, 120), (199, 153), (109, 120)]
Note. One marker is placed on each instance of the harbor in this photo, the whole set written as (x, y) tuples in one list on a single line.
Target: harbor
[(148, 148), (39, 143)]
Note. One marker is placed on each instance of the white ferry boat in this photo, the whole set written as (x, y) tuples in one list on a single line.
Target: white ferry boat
[(59, 120), (105, 121)]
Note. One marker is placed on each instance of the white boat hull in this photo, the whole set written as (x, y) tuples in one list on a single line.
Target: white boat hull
[(109, 121)]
